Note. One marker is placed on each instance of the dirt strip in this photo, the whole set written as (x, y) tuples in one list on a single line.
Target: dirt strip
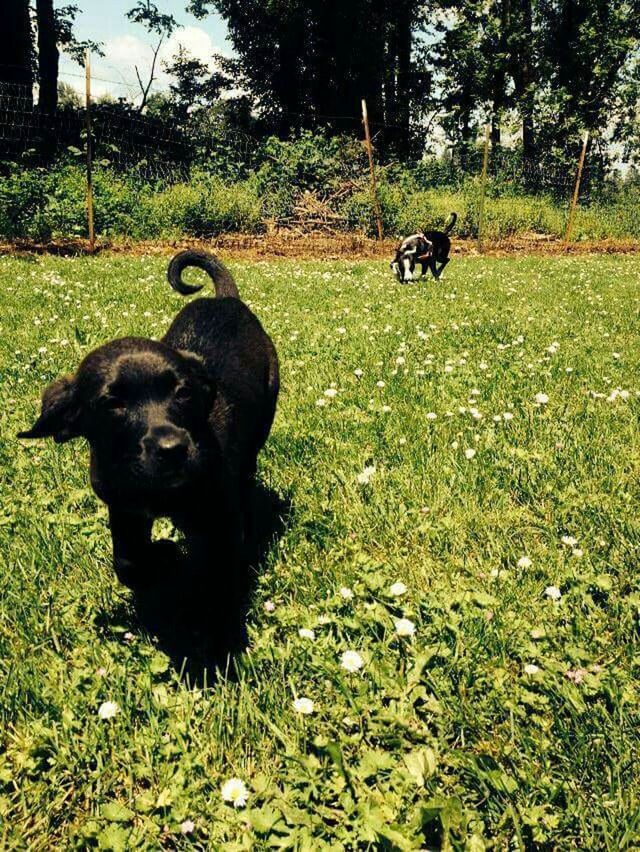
[(319, 246)]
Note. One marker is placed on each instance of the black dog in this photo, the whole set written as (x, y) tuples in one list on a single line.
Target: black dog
[(174, 426), (428, 248)]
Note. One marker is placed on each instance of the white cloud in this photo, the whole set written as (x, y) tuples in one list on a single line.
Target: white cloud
[(114, 73)]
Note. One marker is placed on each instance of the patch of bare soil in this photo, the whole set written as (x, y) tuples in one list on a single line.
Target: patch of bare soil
[(320, 245)]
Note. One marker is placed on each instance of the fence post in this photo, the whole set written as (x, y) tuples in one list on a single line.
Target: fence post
[(483, 183), (576, 191), (87, 67), (374, 188)]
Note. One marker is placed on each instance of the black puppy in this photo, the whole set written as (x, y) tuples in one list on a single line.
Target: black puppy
[(174, 426), (428, 248)]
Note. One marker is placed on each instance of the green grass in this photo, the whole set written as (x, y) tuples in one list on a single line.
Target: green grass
[(442, 740)]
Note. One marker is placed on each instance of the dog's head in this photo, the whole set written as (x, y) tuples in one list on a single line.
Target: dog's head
[(408, 253), (143, 407)]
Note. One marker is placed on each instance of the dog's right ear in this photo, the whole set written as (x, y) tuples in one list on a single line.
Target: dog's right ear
[(60, 415)]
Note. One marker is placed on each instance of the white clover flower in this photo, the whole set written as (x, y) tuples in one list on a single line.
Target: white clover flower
[(321, 402), (187, 826), (365, 477), (553, 592), (569, 540), (400, 360), (108, 709), (380, 384), (351, 661), (469, 453), (531, 669), (346, 593), (304, 706), (541, 399), (507, 415), (306, 633), (432, 416), (524, 562), (398, 589), (269, 606), (404, 627), (359, 373), (331, 392), (235, 792), (577, 552)]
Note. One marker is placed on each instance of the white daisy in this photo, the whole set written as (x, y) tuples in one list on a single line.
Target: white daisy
[(365, 477), (108, 709), (235, 792), (351, 661), (404, 627), (304, 706), (306, 633)]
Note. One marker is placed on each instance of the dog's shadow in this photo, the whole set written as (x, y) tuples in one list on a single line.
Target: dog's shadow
[(198, 615)]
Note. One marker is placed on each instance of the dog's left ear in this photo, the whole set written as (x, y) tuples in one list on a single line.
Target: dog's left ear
[(60, 415)]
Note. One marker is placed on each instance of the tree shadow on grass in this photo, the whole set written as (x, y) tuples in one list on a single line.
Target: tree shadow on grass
[(197, 613)]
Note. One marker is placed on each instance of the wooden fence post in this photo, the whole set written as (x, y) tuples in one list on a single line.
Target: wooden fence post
[(374, 188), (483, 184), (576, 191), (87, 66)]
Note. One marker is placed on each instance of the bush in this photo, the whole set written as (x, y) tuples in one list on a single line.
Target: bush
[(42, 204)]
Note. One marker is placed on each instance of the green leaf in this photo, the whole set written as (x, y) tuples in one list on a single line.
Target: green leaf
[(165, 799), (421, 764), (114, 839), (372, 762), (263, 819), (115, 812), (159, 663), (604, 582)]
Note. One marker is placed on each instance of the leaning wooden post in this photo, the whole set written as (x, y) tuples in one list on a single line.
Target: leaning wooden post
[(374, 188), (483, 184), (576, 191), (92, 238)]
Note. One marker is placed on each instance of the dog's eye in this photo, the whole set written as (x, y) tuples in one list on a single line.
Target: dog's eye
[(182, 392), (113, 403)]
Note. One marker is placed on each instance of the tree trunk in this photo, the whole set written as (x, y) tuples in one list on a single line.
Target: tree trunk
[(48, 57), (403, 97), (527, 80), (16, 48)]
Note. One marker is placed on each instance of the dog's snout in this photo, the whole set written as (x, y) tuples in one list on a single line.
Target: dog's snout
[(167, 443)]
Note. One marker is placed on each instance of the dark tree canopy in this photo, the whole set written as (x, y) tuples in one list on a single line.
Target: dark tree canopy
[(310, 63)]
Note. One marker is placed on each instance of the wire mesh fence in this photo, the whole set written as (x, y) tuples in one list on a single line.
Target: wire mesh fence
[(151, 155)]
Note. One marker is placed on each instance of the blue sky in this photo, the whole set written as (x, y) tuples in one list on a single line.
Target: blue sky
[(127, 45)]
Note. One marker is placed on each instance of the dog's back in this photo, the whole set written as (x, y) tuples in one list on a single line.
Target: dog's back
[(237, 352)]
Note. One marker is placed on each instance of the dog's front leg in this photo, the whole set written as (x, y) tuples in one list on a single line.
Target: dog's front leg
[(131, 536)]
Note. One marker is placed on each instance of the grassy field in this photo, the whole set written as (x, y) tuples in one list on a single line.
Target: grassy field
[(464, 456)]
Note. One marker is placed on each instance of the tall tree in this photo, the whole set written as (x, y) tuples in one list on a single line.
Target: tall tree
[(310, 63), (587, 45), (16, 47), (48, 56)]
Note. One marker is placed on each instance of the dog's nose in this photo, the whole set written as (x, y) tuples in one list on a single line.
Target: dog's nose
[(167, 444)]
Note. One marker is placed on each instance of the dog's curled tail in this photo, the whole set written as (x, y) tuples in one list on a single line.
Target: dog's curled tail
[(451, 221), (222, 279)]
